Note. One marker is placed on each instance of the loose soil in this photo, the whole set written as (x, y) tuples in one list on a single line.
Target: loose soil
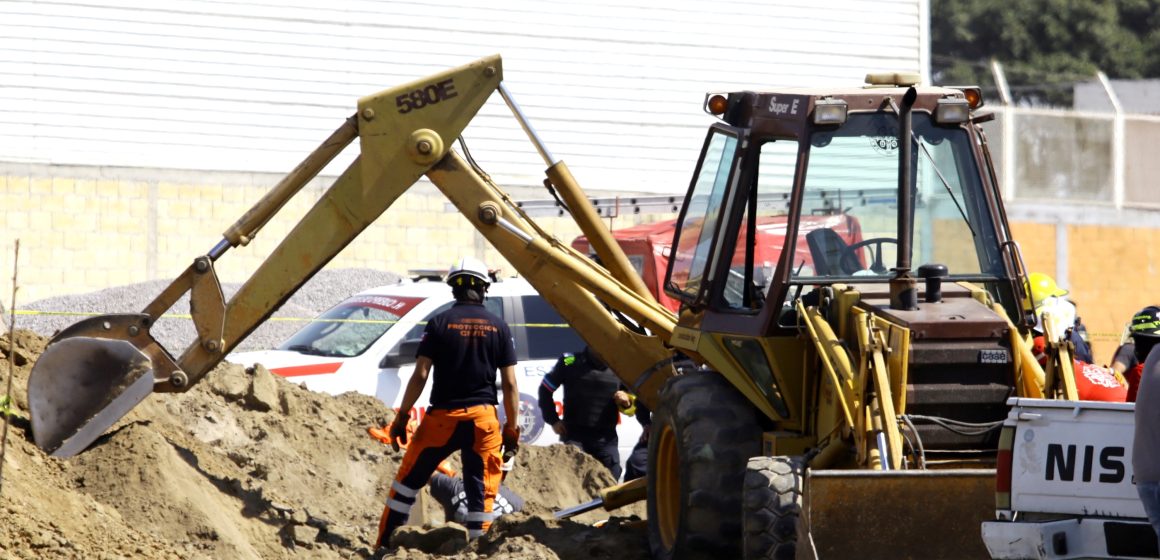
[(246, 465)]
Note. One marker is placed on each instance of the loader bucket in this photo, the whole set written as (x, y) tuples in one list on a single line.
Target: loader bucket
[(89, 376), (897, 515)]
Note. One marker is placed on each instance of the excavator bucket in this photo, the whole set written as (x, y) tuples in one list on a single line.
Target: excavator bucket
[(90, 375), (897, 515)]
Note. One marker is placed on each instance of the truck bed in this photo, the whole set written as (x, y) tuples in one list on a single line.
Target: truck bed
[(1065, 486), (1073, 457)]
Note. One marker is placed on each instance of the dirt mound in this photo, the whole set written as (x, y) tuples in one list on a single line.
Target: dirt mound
[(247, 465)]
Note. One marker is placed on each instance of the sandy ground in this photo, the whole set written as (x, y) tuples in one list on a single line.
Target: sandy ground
[(246, 465)]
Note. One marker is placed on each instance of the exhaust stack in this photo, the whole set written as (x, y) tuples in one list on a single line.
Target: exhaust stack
[(903, 286)]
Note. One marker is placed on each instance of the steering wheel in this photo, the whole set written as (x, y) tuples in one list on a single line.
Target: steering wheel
[(848, 260)]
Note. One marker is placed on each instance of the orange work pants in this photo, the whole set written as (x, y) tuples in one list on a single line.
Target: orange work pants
[(475, 432)]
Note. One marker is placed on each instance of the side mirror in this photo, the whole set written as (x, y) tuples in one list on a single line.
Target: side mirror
[(401, 355)]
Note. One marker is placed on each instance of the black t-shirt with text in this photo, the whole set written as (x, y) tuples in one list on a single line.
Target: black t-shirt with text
[(466, 345)]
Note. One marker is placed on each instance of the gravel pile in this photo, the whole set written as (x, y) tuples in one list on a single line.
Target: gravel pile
[(175, 330)]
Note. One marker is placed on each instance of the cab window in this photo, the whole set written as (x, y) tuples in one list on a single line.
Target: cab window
[(698, 224), (761, 236), (849, 215)]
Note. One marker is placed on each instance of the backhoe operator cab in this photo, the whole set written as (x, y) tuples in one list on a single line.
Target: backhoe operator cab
[(802, 154), (872, 385)]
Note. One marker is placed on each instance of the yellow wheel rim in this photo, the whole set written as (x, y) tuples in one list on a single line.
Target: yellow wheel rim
[(668, 487)]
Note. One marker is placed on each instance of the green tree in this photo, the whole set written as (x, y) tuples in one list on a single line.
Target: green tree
[(1045, 46)]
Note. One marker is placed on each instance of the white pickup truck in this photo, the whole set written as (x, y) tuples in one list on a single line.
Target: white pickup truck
[(1064, 485)]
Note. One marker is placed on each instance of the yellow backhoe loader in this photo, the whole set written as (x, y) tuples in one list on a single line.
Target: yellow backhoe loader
[(815, 395)]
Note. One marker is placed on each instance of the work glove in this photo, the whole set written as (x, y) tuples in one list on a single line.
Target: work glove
[(625, 401), (380, 434), (511, 442), (399, 432)]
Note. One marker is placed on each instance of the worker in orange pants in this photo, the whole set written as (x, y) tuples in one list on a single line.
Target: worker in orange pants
[(474, 431), (464, 347)]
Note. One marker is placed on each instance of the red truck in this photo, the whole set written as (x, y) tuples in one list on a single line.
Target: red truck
[(648, 246)]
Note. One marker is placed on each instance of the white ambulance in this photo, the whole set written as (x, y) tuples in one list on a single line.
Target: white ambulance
[(367, 344)]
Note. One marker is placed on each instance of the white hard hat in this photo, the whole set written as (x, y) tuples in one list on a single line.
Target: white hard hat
[(469, 266)]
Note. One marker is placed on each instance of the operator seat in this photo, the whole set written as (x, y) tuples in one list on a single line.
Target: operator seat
[(827, 248)]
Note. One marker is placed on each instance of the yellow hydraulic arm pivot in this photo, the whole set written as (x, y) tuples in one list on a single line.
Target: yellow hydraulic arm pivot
[(95, 371)]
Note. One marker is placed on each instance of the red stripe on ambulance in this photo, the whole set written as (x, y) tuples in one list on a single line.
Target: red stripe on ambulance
[(312, 369)]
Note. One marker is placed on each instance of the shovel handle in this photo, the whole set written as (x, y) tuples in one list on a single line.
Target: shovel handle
[(624, 493)]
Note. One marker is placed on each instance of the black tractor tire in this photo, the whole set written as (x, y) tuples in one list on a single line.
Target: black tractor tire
[(772, 507), (703, 433)]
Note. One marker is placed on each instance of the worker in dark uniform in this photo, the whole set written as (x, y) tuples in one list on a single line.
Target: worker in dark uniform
[(590, 405), (464, 346)]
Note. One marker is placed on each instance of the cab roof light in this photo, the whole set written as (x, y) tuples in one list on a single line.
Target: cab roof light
[(829, 112), (974, 95), (716, 104), (952, 110)]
